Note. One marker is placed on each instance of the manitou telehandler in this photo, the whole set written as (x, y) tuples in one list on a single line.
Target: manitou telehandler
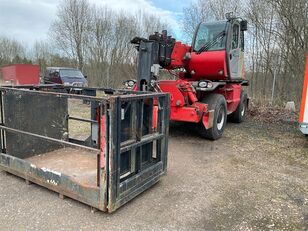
[(209, 74)]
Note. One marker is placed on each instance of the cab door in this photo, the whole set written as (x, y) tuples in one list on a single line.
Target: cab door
[(235, 52)]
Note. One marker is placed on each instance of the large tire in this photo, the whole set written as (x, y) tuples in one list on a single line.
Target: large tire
[(217, 103), (239, 115)]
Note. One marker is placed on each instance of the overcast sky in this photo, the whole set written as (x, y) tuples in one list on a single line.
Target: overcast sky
[(29, 20)]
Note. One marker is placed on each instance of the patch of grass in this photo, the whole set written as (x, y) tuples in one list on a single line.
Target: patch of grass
[(77, 108)]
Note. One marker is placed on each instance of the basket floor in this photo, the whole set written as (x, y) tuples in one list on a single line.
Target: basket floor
[(78, 164)]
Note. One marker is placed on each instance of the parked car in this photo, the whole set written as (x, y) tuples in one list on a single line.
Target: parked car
[(66, 76)]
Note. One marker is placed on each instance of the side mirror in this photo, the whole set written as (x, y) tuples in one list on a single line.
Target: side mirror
[(85, 76), (244, 25)]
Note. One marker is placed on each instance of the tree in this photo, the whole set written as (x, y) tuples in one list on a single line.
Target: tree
[(10, 50), (279, 32), (206, 10), (42, 53), (112, 59), (276, 42), (70, 31)]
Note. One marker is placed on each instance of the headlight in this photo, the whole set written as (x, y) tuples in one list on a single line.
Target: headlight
[(202, 84), (209, 84), (66, 84), (129, 83)]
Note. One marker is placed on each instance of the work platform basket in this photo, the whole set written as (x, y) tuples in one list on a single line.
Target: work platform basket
[(102, 147)]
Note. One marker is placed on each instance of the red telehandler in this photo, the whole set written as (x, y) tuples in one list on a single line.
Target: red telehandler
[(209, 74)]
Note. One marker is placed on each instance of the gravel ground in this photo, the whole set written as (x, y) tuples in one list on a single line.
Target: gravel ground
[(254, 178)]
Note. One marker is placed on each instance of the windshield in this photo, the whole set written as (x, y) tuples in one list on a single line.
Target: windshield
[(211, 36), (71, 73)]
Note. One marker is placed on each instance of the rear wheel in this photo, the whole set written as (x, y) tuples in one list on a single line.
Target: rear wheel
[(217, 103), (239, 115)]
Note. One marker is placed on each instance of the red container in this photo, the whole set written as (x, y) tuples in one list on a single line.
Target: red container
[(21, 74)]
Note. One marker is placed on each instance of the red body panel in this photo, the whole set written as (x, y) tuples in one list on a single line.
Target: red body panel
[(210, 65), (103, 140), (232, 94), (184, 103), (177, 56), (155, 118), (191, 113), (176, 96), (21, 74)]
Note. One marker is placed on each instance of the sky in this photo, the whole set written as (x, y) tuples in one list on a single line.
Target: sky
[(29, 20)]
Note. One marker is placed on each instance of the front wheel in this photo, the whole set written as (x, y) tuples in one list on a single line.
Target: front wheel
[(217, 103)]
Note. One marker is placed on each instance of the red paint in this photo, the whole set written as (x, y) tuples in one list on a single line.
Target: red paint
[(185, 105), (191, 113), (155, 118), (183, 101), (103, 141), (177, 56), (188, 91), (207, 65), (176, 96), (180, 90), (232, 94), (21, 74)]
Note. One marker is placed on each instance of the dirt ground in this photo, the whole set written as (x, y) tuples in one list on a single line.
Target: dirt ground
[(254, 178)]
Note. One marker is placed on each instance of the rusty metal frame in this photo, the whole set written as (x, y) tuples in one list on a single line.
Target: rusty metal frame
[(113, 190)]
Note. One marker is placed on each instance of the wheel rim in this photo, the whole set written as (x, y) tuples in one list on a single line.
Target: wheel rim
[(243, 110), (220, 119)]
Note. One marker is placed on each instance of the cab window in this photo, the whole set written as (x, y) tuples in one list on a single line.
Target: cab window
[(210, 36), (235, 36), (242, 41)]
